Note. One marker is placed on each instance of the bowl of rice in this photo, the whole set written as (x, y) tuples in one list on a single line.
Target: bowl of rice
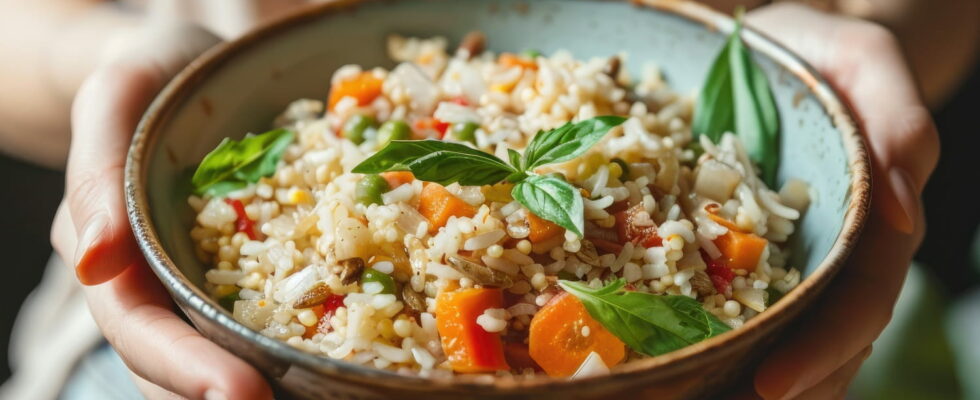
[(498, 199)]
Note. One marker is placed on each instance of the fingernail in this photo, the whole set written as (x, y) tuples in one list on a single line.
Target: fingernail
[(214, 394), (90, 233), (903, 219)]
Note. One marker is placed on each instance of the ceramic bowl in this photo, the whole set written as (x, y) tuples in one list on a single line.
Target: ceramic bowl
[(241, 86)]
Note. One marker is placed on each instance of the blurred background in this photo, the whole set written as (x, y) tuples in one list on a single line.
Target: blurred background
[(927, 352)]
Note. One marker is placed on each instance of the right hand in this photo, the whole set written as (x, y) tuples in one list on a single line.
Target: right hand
[(91, 230)]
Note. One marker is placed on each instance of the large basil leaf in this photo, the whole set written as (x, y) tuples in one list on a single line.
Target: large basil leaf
[(553, 199), (567, 141), (649, 324), (736, 98), (438, 161), (234, 164)]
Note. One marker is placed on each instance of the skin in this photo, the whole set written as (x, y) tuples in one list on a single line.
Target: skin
[(169, 358)]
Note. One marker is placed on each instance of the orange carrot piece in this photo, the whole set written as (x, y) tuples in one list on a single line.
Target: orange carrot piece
[(436, 204), (513, 60), (397, 178), (739, 250), (467, 345), (364, 87), (557, 343), (542, 229)]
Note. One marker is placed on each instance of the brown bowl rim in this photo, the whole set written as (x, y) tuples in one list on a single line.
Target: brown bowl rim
[(183, 84)]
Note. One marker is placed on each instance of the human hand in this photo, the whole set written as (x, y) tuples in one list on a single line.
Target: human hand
[(91, 229), (865, 64)]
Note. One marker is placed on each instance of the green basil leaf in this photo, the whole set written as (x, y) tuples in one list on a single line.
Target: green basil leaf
[(553, 199), (736, 98), (756, 120), (515, 159), (567, 141), (649, 324), (438, 161), (234, 164), (714, 113)]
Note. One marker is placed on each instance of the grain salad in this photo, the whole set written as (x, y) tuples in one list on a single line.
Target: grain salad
[(501, 213)]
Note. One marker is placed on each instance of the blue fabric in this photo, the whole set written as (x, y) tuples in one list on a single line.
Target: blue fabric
[(101, 375)]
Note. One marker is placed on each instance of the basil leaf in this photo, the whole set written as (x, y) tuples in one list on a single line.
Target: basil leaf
[(649, 324), (553, 199), (515, 159), (714, 113), (736, 98), (234, 164), (755, 111), (438, 161), (567, 141)]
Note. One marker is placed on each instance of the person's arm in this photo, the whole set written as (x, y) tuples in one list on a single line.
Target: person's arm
[(48, 48)]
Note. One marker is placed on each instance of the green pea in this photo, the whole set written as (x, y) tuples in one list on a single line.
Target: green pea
[(373, 275), (228, 301), (355, 126), (393, 130), (625, 167), (465, 131), (370, 188), (531, 53)]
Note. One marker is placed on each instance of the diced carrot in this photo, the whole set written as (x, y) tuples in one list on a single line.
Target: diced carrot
[(466, 344), (436, 204), (397, 178), (542, 229), (364, 87), (312, 330), (739, 250), (514, 60), (559, 345)]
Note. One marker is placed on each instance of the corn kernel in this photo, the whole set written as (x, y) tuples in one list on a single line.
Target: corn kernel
[(615, 171), (307, 317), (299, 196)]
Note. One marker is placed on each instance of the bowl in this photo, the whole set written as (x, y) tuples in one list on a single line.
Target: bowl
[(240, 86)]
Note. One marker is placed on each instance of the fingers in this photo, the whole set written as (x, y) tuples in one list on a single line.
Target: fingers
[(851, 314), (104, 116), (835, 386), (161, 348), (152, 391)]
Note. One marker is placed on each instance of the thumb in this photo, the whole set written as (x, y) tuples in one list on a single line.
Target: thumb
[(104, 115)]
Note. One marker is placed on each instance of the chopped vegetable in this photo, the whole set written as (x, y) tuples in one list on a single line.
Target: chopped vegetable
[(624, 167), (373, 275), (355, 126), (531, 54), (393, 130), (542, 229), (629, 228), (465, 131), (721, 276), (513, 60), (364, 87), (234, 164), (242, 222), (466, 344), (563, 334), (436, 204), (397, 178), (649, 324), (370, 188), (426, 126), (739, 250)]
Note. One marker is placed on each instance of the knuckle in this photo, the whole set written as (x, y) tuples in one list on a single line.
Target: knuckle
[(924, 138), (865, 36)]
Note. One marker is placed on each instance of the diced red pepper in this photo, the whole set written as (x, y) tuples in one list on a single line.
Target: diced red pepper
[(721, 276), (324, 312), (242, 223), (629, 231), (461, 100), (425, 126)]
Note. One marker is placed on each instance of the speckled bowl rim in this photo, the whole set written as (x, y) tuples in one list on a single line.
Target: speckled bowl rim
[(176, 92)]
